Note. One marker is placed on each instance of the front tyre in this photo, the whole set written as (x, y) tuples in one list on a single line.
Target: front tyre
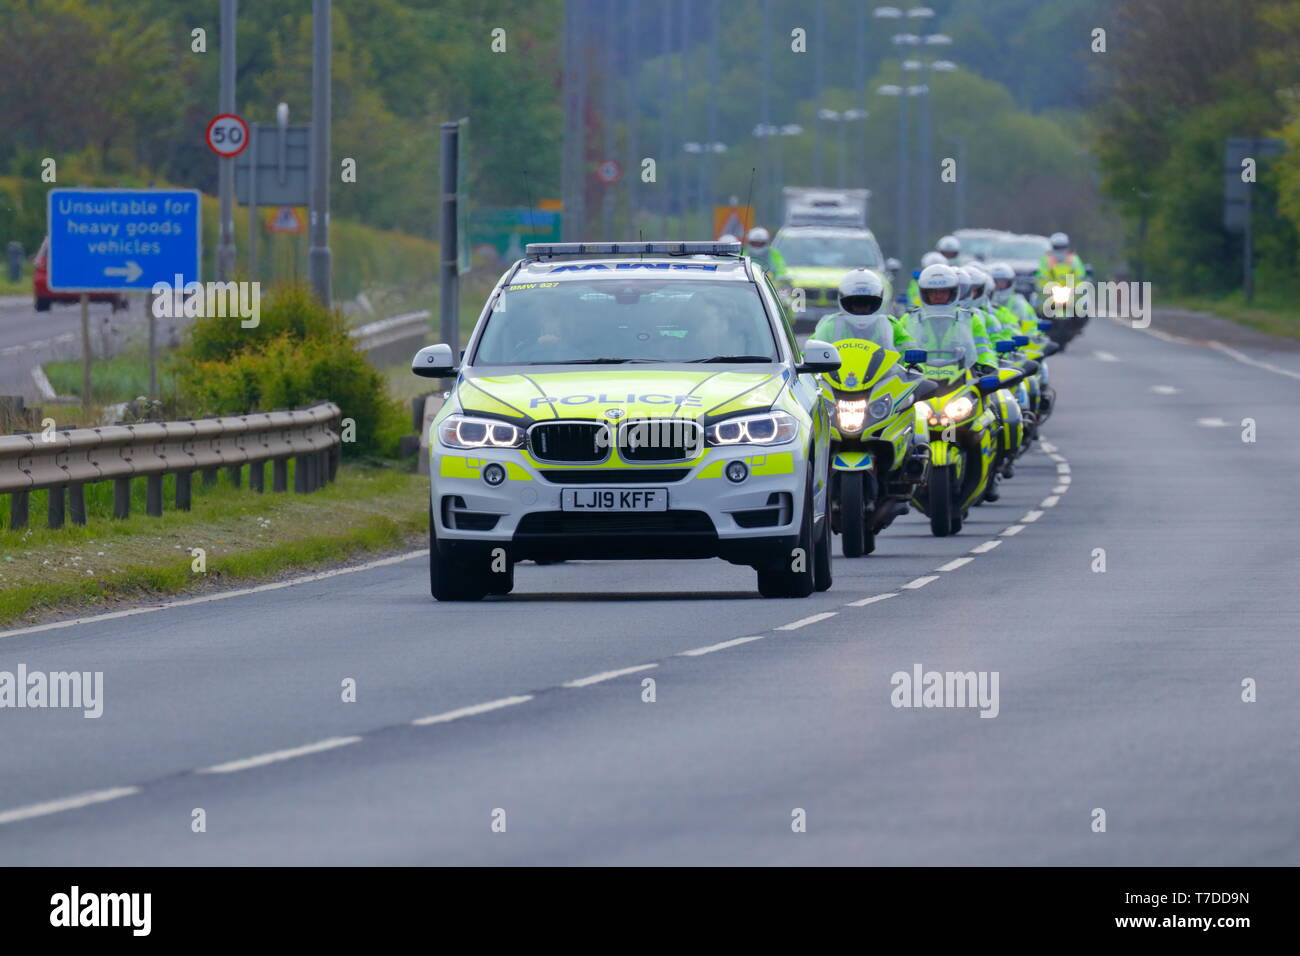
[(451, 577), (941, 505), (823, 575), (793, 575), (852, 526)]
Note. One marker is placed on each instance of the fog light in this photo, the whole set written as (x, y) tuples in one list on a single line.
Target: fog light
[(737, 471), (494, 474)]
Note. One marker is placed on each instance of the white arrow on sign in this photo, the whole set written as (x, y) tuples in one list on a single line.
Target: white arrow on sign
[(131, 270)]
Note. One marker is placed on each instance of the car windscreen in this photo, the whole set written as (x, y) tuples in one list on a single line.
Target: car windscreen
[(840, 252), (626, 320), (1020, 248)]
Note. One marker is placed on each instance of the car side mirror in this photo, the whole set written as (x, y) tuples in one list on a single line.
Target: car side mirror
[(434, 361), (819, 357), (915, 356)]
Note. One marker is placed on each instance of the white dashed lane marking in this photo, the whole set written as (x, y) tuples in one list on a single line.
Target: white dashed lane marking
[(954, 564), (872, 600), (985, 548), (696, 652), (491, 705), (804, 622), (920, 582), (66, 803), (607, 675), (262, 760)]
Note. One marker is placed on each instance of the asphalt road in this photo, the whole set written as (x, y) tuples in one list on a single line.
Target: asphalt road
[(1118, 689)]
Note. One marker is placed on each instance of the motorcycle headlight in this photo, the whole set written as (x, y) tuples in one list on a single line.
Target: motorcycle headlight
[(770, 428), (1061, 294), (464, 431), (850, 415), (959, 408)]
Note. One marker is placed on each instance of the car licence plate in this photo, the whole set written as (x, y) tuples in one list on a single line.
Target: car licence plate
[(614, 499)]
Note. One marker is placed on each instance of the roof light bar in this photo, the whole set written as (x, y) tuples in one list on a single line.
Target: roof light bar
[(551, 249)]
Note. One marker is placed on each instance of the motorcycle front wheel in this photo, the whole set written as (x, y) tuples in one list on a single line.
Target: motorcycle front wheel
[(852, 526), (941, 505)]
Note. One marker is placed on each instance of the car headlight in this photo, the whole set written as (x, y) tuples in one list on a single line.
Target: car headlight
[(463, 431), (959, 408), (770, 428), (850, 415)]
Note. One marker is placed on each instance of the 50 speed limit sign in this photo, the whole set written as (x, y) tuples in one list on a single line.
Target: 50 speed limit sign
[(227, 135)]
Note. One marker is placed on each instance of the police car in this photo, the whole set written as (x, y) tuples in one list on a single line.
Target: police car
[(630, 400)]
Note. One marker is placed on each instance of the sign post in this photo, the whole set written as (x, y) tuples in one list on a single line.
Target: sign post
[(116, 240)]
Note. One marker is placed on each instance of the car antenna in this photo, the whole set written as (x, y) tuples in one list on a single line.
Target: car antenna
[(749, 208)]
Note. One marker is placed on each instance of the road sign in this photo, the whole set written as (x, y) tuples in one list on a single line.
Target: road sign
[(736, 220), (283, 166), (609, 172), (106, 240), (286, 219), (227, 135)]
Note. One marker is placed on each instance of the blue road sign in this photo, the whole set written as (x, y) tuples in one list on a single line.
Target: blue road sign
[(107, 240)]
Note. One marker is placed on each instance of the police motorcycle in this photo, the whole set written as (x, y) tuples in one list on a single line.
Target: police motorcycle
[(877, 458), (963, 431)]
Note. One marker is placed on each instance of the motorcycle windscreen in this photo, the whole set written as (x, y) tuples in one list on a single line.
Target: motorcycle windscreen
[(947, 338)]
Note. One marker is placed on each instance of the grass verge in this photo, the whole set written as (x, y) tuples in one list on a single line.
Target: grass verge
[(244, 536), (1268, 313)]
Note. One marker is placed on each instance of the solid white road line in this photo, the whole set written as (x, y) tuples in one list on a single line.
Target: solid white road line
[(1164, 389), (219, 596), (1211, 423), (920, 582), (261, 760), (1247, 360), (607, 675), (697, 651), (1105, 356), (954, 564), (872, 600), (985, 548), (804, 622), (471, 711), (1050, 501), (1015, 529), (67, 803), (1031, 517)]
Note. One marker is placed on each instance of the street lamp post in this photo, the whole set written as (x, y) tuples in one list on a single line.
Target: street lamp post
[(769, 131), (705, 151), (841, 118)]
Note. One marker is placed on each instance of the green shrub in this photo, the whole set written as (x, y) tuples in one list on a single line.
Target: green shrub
[(298, 355)]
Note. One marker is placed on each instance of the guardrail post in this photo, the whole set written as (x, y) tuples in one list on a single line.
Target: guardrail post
[(209, 476), (233, 473), (334, 462), (77, 503), (300, 474), (153, 488), (121, 497), (257, 476), (183, 491), (18, 502), (322, 467), (280, 474), (54, 508)]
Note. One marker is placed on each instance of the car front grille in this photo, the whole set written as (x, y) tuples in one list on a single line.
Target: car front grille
[(569, 441), (613, 476), (660, 439), (600, 523)]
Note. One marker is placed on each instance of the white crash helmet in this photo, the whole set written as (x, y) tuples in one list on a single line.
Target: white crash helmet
[(938, 285), (1004, 280), (949, 247), (980, 281), (932, 258), (758, 238), (727, 237), (964, 280), (861, 292), (1060, 241)]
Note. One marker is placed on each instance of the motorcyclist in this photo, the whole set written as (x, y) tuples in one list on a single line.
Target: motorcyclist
[(1060, 265), (1010, 304), (764, 253), (861, 294), (979, 302), (933, 257), (950, 248), (942, 323)]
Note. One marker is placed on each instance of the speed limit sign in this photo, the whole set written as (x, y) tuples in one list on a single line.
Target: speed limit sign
[(227, 135)]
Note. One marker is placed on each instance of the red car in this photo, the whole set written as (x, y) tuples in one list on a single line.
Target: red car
[(43, 295)]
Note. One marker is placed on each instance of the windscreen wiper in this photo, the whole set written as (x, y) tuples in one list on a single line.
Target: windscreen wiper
[(735, 358)]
